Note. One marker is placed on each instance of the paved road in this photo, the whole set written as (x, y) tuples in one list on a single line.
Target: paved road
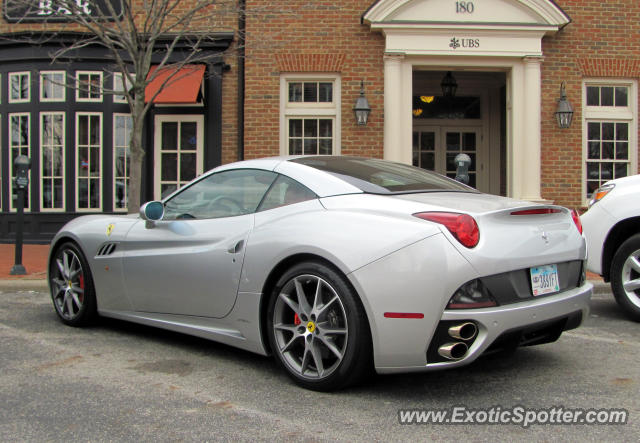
[(123, 382)]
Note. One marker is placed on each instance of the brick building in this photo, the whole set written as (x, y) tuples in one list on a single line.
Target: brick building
[(441, 77)]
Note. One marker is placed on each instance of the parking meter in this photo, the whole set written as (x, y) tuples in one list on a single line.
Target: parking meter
[(463, 161), (21, 164)]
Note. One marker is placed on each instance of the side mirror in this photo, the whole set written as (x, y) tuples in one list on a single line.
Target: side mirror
[(151, 212)]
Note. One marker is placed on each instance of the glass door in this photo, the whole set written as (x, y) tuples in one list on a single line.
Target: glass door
[(456, 142), (178, 151), (436, 147)]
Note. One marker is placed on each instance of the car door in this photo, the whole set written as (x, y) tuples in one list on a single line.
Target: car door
[(189, 263)]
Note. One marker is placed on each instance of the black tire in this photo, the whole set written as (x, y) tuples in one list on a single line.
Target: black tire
[(624, 268), (71, 286), (308, 346)]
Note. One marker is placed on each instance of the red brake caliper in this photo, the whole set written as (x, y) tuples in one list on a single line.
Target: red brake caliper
[(81, 282), (296, 320)]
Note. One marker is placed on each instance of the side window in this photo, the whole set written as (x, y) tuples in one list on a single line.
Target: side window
[(286, 191), (225, 194)]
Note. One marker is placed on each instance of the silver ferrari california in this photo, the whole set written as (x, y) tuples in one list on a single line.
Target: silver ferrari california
[(335, 265)]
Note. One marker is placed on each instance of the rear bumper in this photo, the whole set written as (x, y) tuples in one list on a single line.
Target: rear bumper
[(566, 310)]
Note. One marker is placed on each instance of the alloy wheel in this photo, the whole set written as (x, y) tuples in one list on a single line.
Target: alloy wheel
[(68, 285), (310, 327), (631, 277)]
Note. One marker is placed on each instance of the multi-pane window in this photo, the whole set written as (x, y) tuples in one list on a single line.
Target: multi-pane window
[(310, 136), (607, 152), (310, 120), (122, 125), (178, 155), (88, 86), (52, 86), (52, 138), (610, 144), (19, 87), (310, 92), (19, 144), (88, 160), (616, 96)]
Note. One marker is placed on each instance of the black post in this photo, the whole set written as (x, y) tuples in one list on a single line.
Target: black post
[(22, 164)]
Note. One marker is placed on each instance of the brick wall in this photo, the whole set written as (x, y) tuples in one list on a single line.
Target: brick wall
[(602, 41), (312, 36)]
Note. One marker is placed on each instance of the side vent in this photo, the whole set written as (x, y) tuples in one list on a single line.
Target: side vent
[(106, 249)]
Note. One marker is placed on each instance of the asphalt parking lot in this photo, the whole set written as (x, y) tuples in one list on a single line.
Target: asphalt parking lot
[(123, 382)]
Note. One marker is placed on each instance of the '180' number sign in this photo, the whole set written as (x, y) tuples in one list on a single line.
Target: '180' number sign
[(464, 7)]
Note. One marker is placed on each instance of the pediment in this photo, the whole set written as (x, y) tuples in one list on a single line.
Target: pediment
[(509, 13)]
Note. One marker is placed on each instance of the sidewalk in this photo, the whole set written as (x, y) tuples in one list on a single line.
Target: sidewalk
[(34, 259)]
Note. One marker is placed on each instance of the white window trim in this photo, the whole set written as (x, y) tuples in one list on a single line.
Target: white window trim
[(27, 202), (64, 179), (627, 114), (63, 85), (113, 178), (78, 88), (309, 110), (19, 100), (77, 176)]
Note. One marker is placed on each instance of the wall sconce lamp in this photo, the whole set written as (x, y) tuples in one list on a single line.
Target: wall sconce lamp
[(564, 110), (449, 85), (362, 108)]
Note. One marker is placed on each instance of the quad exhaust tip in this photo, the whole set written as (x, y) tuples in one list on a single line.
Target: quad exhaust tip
[(453, 351), (463, 331)]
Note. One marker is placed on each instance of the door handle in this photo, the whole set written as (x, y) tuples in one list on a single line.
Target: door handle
[(237, 248)]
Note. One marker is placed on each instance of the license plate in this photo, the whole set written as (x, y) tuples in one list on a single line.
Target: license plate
[(544, 280)]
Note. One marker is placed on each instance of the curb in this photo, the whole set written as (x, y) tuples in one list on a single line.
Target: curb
[(600, 287), (24, 285)]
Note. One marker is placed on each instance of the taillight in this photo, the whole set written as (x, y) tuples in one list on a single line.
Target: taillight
[(536, 211), (576, 219), (463, 227)]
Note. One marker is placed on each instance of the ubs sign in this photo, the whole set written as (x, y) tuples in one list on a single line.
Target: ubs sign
[(58, 10)]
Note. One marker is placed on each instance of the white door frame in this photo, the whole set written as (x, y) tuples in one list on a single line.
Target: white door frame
[(523, 112)]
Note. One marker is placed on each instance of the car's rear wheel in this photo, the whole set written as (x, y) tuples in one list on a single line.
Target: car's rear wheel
[(625, 276), (318, 329), (71, 286)]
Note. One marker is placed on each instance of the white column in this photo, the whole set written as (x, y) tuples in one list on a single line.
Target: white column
[(393, 118), (527, 171)]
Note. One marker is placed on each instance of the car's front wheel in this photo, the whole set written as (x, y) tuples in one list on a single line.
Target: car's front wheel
[(625, 276), (71, 286), (318, 329)]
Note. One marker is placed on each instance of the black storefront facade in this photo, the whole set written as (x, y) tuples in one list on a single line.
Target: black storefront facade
[(77, 138)]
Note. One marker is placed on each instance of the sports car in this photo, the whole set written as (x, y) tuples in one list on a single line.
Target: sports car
[(333, 264)]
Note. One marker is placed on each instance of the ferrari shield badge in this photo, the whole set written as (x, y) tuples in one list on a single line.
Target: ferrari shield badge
[(110, 227)]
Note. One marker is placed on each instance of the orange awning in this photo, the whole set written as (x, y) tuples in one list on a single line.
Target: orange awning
[(177, 87)]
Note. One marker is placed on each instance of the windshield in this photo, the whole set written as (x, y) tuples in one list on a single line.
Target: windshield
[(382, 177)]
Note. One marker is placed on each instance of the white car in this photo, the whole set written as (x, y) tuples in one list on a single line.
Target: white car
[(612, 228)]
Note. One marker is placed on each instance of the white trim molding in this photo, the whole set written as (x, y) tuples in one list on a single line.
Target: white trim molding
[(318, 110), (516, 13)]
